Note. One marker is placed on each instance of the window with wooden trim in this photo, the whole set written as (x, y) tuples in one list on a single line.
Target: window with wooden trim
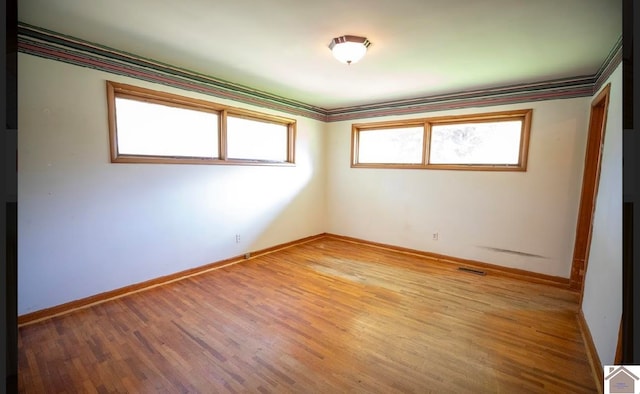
[(148, 126), (496, 141)]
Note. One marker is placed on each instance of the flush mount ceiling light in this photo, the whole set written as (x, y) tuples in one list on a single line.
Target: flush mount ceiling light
[(349, 49)]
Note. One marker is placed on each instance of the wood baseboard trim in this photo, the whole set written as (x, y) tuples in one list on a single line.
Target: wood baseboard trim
[(489, 268), (592, 353), (48, 313)]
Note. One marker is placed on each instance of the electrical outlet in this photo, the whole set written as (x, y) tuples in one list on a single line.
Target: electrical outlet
[(435, 236), (237, 238)]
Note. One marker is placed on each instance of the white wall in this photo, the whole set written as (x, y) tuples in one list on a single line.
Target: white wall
[(87, 226), (602, 302), (533, 212)]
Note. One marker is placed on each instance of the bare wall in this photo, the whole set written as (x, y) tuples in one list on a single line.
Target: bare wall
[(87, 226), (532, 212)]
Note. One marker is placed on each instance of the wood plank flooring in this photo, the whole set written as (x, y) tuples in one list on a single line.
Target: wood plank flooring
[(328, 316)]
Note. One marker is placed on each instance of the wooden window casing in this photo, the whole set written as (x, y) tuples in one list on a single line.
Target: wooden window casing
[(523, 117), (359, 129), (124, 91)]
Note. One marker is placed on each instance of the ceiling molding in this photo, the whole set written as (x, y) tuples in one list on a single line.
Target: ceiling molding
[(608, 66), (48, 44), (51, 45), (474, 101)]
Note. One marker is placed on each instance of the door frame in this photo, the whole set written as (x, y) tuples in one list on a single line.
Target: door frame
[(590, 183)]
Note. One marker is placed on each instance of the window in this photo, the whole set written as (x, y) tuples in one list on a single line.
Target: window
[(493, 141), (147, 126), (150, 129), (393, 145), (268, 139)]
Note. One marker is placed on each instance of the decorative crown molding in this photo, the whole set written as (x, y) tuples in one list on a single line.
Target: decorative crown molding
[(51, 45)]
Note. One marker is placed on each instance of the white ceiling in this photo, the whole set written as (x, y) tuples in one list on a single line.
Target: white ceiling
[(419, 48)]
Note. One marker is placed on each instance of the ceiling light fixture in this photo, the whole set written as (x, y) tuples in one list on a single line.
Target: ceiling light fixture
[(349, 49)]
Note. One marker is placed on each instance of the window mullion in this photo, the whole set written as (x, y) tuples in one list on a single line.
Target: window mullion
[(222, 134), (291, 141), (426, 147)]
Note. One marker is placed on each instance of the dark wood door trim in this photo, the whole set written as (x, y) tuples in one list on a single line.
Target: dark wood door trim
[(590, 181)]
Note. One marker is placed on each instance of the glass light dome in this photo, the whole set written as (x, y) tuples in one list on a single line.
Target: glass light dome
[(349, 49)]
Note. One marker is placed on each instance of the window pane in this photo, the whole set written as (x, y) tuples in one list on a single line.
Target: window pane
[(391, 146), (476, 143), (158, 130), (255, 140)]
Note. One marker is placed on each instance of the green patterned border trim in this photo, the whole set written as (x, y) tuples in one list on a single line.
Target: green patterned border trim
[(47, 44)]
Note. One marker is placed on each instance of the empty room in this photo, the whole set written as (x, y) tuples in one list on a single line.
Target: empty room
[(319, 197)]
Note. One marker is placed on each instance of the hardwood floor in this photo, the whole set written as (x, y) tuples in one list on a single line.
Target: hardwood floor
[(327, 316)]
